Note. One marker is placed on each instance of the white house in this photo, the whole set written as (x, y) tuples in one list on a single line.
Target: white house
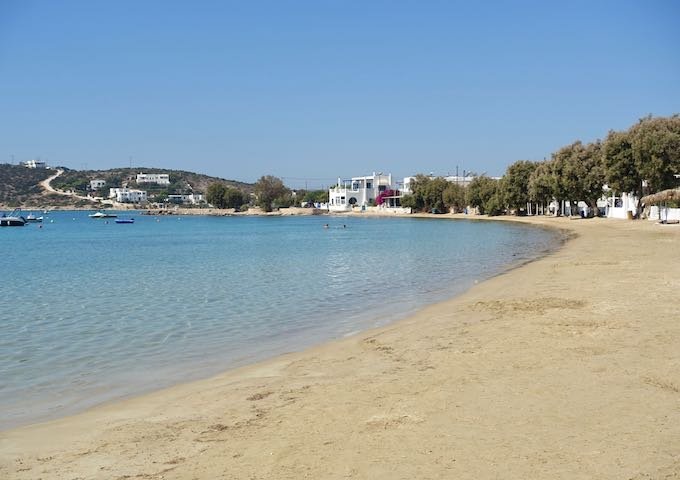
[(462, 180), (158, 178), (126, 195), (34, 164), (95, 184), (359, 191), (192, 198)]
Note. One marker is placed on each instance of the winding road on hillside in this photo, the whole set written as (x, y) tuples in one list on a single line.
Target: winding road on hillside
[(47, 185)]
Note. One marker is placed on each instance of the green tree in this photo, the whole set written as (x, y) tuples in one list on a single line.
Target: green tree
[(215, 194), (233, 198), (454, 197), (621, 171), (315, 196), (409, 201), (541, 184), (428, 193), (656, 149), (482, 193), (578, 173), (271, 192), (516, 184)]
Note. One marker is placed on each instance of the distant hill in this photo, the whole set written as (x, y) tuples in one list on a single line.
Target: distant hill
[(19, 186), (181, 181)]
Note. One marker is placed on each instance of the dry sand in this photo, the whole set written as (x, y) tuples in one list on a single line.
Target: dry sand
[(568, 367)]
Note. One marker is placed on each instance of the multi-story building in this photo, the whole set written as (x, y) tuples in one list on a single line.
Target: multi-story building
[(359, 191), (126, 195), (158, 178)]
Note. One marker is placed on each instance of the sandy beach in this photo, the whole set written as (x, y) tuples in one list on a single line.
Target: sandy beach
[(567, 367)]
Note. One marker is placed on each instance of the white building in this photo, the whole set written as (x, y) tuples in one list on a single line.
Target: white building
[(34, 164), (126, 195), (96, 184), (463, 181), (359, 191), (192, 198), (158, 178)]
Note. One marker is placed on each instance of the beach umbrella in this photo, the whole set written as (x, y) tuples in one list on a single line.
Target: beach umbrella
[(663, 196)]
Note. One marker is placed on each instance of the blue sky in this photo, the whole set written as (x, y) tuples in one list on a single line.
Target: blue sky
[(310, 91)]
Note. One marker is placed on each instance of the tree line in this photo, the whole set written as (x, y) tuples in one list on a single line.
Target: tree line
[(269, 193), (643, 159)]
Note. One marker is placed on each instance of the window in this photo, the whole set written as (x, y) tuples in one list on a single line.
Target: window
[(369, 185)]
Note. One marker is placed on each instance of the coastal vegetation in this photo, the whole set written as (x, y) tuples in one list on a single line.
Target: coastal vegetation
[(642, 159), (271, 193), (223, 196)]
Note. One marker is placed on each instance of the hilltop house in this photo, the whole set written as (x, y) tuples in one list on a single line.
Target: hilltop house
[(97, 184), (359, 191), (158, 178), (34, 164)]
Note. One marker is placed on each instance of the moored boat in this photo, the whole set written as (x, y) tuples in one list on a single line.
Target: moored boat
[(12, 220), (125, 220), (102, 214), (30, 218)]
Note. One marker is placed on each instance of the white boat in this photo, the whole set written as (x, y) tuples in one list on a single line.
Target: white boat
[(12, 220), (101, 214), (30, 218)]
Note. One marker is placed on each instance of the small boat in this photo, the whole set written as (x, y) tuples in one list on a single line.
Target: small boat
[(102, 214), (30, 218), (125, 220), (12, 220)]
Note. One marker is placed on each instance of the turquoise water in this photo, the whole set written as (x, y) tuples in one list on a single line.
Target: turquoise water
[(94, 311)]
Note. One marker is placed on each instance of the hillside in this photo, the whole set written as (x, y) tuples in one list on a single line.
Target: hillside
[(19, 186), (181, 181)]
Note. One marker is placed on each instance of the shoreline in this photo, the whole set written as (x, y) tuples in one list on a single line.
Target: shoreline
[(372, 321), (382, 374)]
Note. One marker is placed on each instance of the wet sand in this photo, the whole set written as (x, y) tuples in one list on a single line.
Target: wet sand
[(567, 367)]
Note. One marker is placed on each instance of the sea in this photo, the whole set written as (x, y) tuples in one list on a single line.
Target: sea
[(93, 311)]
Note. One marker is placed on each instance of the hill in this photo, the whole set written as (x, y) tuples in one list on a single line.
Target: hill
[(181, 181), (19, 186)]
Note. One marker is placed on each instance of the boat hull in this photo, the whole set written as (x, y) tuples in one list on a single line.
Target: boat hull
[(12, 222)]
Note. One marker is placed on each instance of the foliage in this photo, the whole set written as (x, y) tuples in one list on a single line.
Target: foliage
[(453, 197), (315, 196), (428, 193), (482, 193), (540, 183), (516, 184), (655, 144), (222, 196), (578, 173), (271, 193), (621, 171), (380, 199), (409, 201)]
